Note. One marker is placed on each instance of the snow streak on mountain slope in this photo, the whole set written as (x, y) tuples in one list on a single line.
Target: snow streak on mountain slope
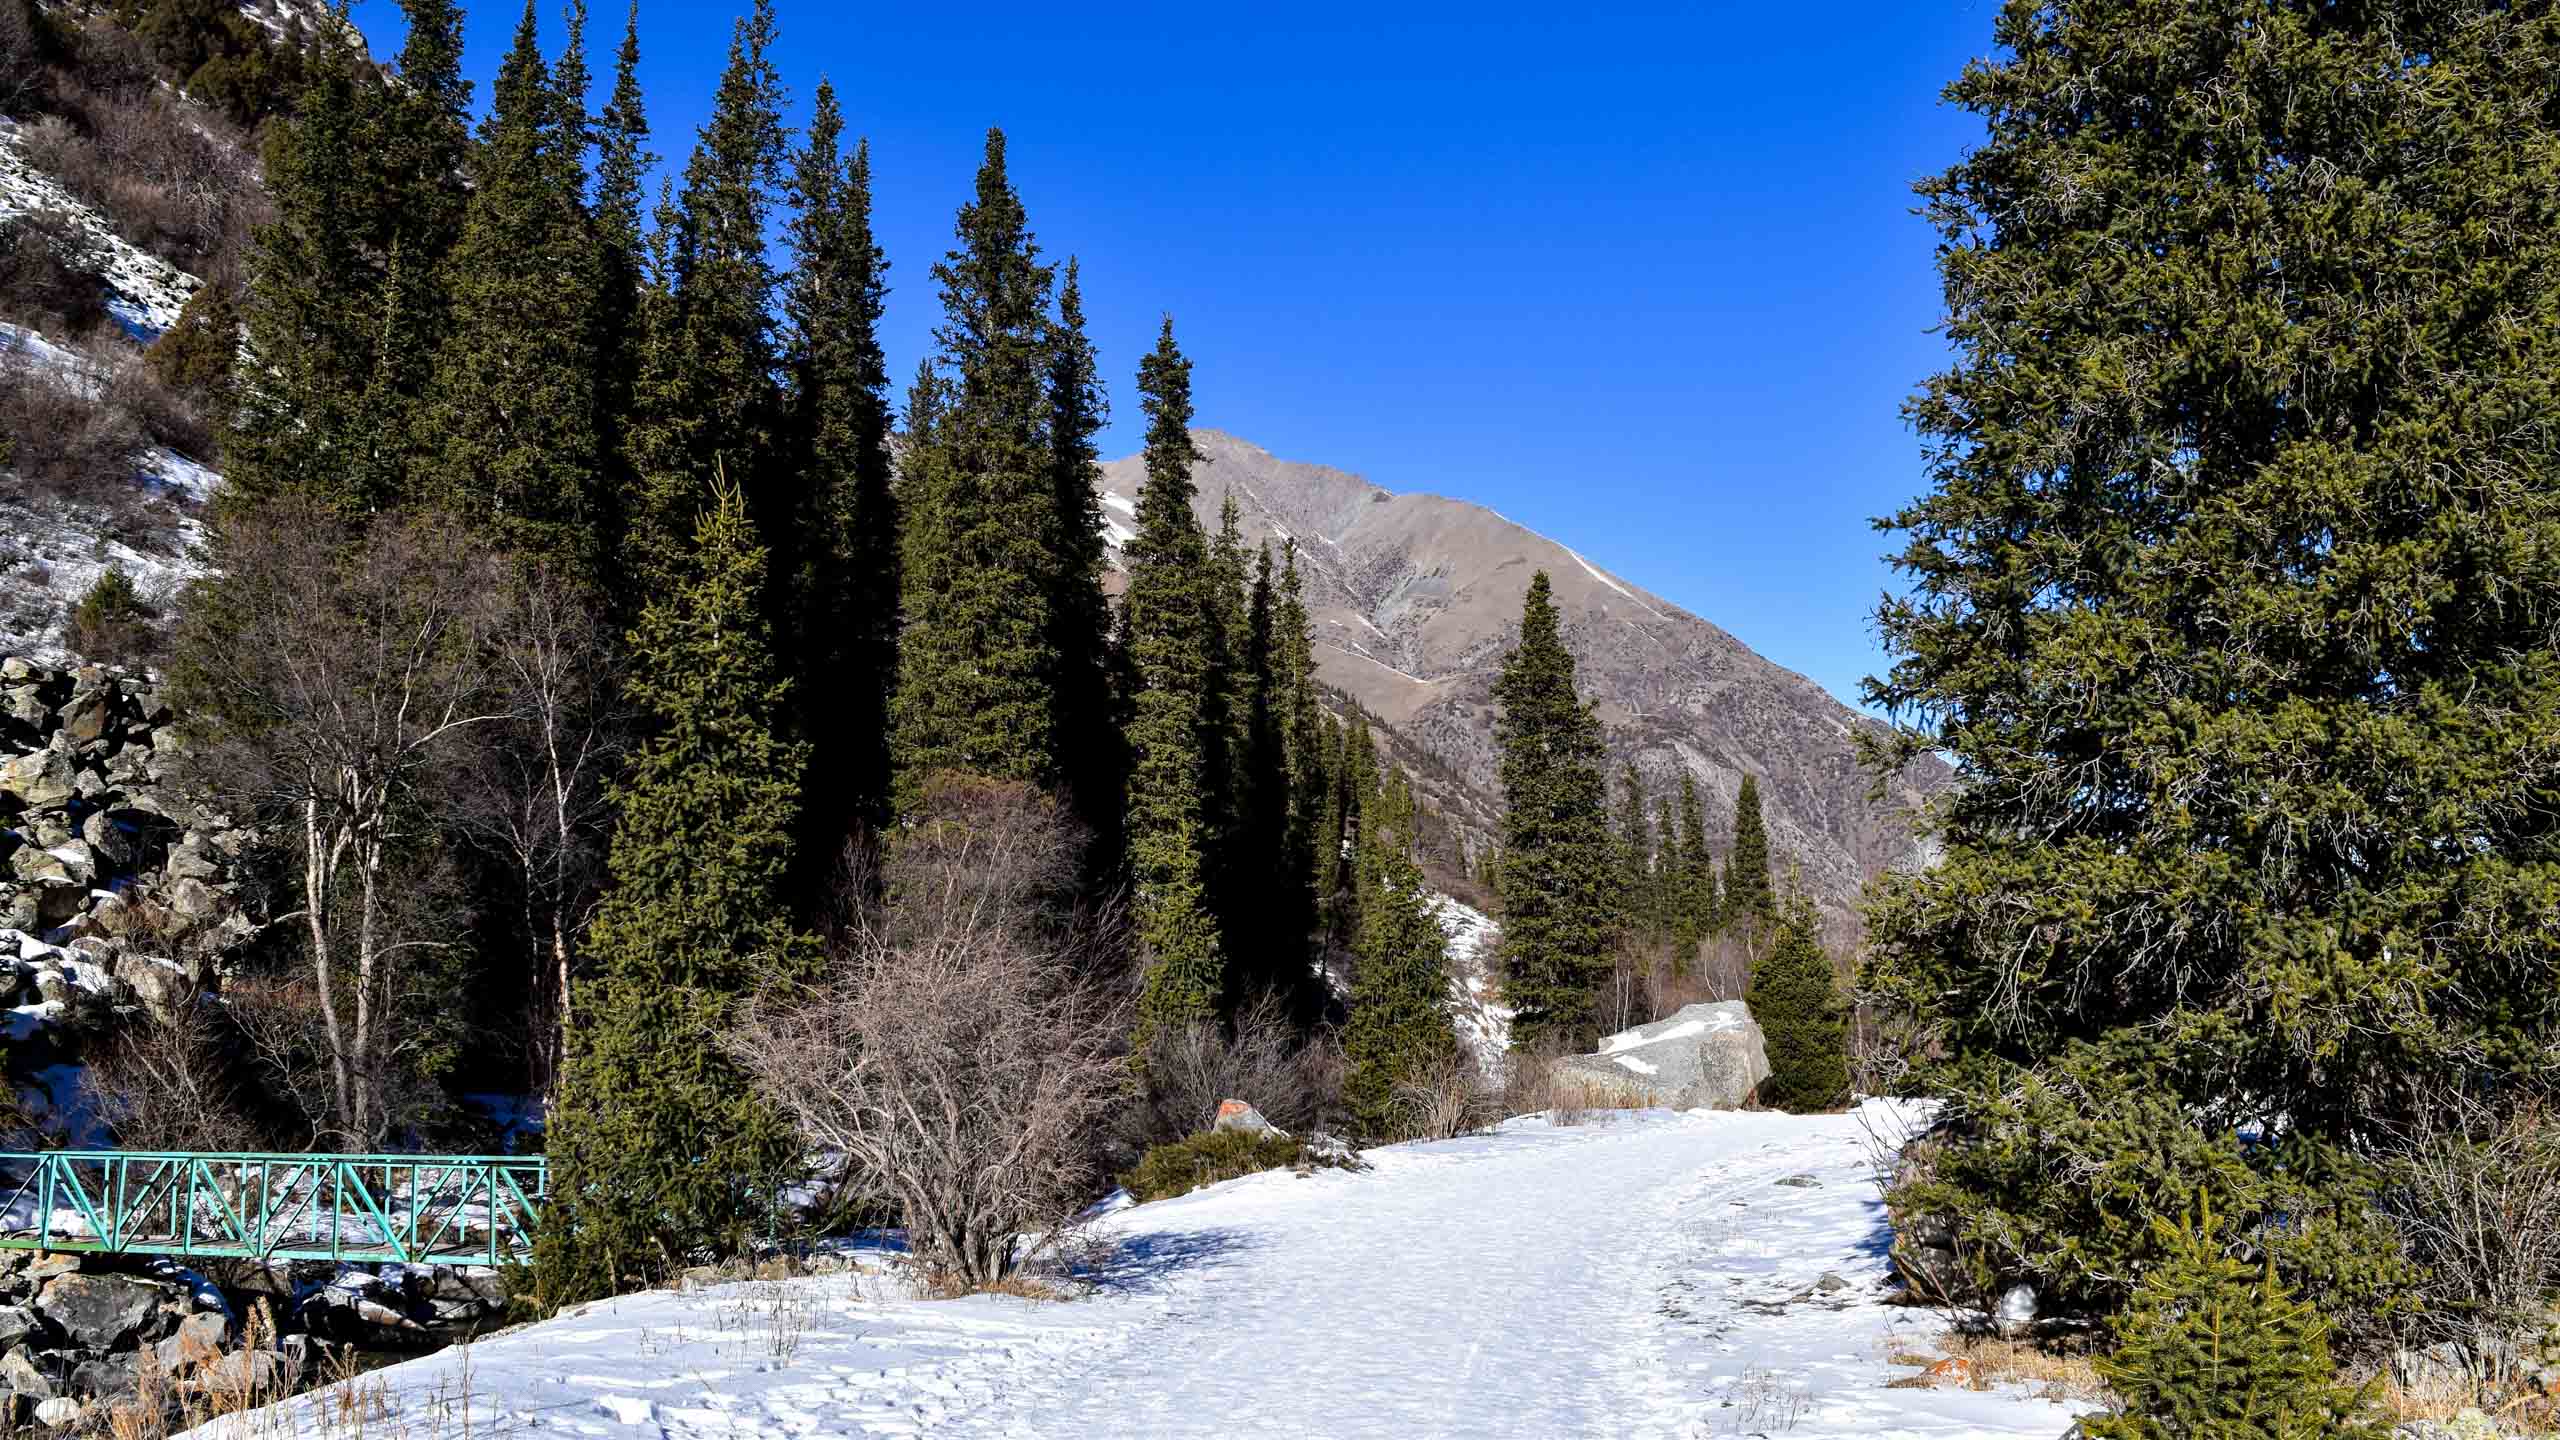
[(148, 291), (1629, 1280)]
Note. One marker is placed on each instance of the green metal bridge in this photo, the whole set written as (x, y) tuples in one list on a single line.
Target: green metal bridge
[(410, 1209)]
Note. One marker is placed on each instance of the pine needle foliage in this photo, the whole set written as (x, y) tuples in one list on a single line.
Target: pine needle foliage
[(659, 1152), (1399, 1030), (979, 653), (2233, 599), (2213, 1348), (1167, 633), (1562, 869), (1795, 997)]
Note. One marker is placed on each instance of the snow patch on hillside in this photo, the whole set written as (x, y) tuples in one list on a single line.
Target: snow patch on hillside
[(1645, 1279), (1475, 1001), (52, 550), (148, 292)]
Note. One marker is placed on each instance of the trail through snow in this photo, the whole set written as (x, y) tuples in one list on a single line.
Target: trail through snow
[(1647, 1277)]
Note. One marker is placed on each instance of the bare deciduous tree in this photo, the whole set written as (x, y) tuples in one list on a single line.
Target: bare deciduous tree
[(959, 1051), (334, 672), (538, 793)]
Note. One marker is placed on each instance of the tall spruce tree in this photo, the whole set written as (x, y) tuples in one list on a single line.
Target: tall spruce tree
[(1299, 719), (1399, 1030), (624, 298), (1635, 855), (2232, 599), (1750, 895), (978, 660), (1561, 869), (658, 1151), (1795, 997), (511, 418), (1696, 900), (1167, 617), (314, 309), (1092, 756), (1266, 959), (709, 402), (842, 596)]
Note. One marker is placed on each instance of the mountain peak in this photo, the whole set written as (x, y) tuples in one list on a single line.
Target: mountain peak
[(1415, 597)]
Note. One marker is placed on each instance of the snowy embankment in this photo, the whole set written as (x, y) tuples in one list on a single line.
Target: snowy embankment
[(52, 551), (1661, 1275)]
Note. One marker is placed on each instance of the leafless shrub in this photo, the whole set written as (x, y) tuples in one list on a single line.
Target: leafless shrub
[(174, 177), (1447, 1102), (1262, 1058), (22, 56), (63, 440), (958, 1050), (169, 1085), (51, 275), (2478, 1198)]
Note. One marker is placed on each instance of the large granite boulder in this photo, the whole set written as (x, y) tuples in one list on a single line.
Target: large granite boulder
[(99, 1312), (1708, 1057)]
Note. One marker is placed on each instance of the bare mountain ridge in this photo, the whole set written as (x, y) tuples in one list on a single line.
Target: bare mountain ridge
[(1415, 597)]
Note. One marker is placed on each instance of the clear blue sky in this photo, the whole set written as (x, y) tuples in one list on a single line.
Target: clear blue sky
[(1646, 280)]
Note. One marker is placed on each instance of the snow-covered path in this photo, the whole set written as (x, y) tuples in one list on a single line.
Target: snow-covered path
[(1654, 1276)]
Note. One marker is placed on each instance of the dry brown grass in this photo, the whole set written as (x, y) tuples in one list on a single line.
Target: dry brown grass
[(1533, 1084), (2445, 1395), (1960, 1361)]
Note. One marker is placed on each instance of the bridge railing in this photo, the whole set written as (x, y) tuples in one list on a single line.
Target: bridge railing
[(412, 1209)]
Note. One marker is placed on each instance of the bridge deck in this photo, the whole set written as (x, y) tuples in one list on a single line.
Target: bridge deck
[(410, 1209)]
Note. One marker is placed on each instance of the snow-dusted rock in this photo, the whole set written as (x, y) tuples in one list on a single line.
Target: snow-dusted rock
[(1704, 1057)]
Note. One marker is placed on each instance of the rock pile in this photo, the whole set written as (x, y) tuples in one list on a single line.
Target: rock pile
[(69, 1338), (117, 895), (97, 846)]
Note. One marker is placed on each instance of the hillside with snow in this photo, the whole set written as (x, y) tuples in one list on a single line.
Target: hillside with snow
[(1654, 1275)]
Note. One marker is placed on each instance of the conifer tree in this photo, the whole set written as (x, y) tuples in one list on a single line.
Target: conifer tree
[(2212, 1346), (1266, 958), (511, 417), (1664, 897), (1635, 855), (1399, 1029), (709, 405), (978, 658), (657, 1149), (624, 299), (1166, 617), (312, 311), (1092, 757), (2231, 600), (1750, 896), (1301, 726), (1560, 866), (842, 600), (1696, 900), (1796, 999)]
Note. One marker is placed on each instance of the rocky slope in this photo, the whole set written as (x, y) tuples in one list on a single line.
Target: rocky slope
[(1415, 597)]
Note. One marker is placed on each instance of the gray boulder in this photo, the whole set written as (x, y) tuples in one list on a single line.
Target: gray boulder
[(39, 780), (16, 1324), (98, 1312), (19, 1375), (1703, 1057)]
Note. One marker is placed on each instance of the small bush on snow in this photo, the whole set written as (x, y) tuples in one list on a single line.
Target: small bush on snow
[(1186, 1165)]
